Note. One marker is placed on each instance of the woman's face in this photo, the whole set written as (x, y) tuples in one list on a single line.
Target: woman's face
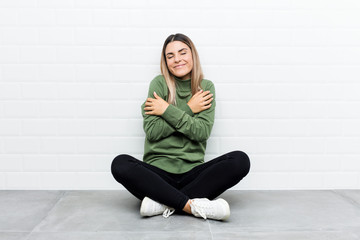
[(179, 59)]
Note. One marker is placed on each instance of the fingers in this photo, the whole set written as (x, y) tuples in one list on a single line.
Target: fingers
[(204, 94), (207, 97), (148, 108), (150, 113), (206, 107), (148, 103), (199, 92), (156, 96), (206, 102)]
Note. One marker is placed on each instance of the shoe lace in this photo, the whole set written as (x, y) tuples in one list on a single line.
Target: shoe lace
[(168, 212), (204, 209)]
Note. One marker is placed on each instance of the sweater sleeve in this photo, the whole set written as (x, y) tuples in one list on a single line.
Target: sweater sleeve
[(196, 127), (156, 127)]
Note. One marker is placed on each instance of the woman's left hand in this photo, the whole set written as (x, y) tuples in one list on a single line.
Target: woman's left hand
[(155, 106)]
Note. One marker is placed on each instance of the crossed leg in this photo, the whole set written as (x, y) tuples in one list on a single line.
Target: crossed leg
[(208, 180)]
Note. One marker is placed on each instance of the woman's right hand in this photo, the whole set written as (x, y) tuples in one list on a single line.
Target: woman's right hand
[(200, 101)]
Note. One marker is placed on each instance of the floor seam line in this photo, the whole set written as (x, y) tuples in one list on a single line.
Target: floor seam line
[(61, 195), (347, 198), (211, 234)]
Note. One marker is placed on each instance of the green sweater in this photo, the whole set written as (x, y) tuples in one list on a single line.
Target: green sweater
[(176, 141)]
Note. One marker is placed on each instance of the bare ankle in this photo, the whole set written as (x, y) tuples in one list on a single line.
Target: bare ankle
[(187, 207)]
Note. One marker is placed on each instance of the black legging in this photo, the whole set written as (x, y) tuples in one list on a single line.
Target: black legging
[(207, 180)]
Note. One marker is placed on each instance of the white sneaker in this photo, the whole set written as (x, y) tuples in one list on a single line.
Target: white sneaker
[(217, 209), (151, 208)]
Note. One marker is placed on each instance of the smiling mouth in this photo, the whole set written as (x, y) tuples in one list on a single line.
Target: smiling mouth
[(179, 66)]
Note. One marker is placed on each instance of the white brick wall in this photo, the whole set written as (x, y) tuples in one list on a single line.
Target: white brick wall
[(74, 73)]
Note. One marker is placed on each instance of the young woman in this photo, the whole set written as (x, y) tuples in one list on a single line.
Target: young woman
[(178, 118)]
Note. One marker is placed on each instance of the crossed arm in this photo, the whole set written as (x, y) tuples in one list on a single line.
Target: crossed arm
[(198, 103), (161, 119)]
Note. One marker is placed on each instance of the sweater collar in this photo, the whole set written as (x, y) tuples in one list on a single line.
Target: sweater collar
[(179, 79), (183, 87), (183, 84)]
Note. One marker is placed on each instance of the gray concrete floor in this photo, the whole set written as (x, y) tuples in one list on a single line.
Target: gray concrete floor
[(103, 215)]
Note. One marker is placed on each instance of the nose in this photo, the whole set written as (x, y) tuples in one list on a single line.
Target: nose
[(177, 58)]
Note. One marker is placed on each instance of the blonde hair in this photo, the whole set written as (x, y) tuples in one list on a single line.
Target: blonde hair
[(196, 73)]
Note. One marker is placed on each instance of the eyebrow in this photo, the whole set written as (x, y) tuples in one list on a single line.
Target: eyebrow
[(178, 51)]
